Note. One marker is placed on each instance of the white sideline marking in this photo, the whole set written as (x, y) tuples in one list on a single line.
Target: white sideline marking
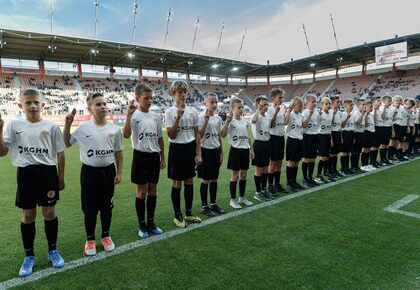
[(14, 282), (395, 207)]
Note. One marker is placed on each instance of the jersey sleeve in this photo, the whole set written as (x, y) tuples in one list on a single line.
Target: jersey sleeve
[(8, 135), (169, 118), (200, 121), (195, 118), (118, 145), (75, 136), (58, 140), (159, 127)]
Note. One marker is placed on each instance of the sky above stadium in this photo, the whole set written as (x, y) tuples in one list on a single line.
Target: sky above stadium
[(274, 28)]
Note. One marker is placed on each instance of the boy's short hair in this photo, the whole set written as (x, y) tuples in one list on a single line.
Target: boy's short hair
[(260, 98), (210, 94), (325, 99), (347, 101), (386, 97), (179, 85), (277, 91), (368, 103), (411, 101), (234, 101), (93, 96), (142, 88), (334, 98), (296, 100), (359, 101), (310, 97), (30, 92), (375, 98), (397, 98)]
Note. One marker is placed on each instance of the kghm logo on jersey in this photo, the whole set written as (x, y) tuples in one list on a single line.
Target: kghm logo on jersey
[(213, 135), (100, 153), (185, 128), (33, 150), (240, 138), (148, 135), (294, 126)]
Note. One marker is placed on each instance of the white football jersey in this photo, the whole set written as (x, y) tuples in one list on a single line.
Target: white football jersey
[(349, 126), (401, 117), (388, 119), (294, 128), (324, 123), (211, 138), (312, 127), (187, 123), (146, 130), (379, 122), (97, 144), (238, 134), (336, 121), (33, 143), (279, 129), (261, 129), (358, 128), (370, 126)]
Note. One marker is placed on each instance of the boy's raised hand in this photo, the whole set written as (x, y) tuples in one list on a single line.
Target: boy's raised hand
[(131, 108), (230, 117), (180, 110), (70, 117), (207, 116)]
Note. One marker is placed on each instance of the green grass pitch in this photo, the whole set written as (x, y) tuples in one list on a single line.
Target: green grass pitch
[(336, 238)]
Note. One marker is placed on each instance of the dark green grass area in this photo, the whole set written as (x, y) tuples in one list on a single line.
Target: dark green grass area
[(331, 239)]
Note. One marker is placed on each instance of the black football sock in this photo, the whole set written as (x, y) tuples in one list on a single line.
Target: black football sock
[(391, 152), (295, 173), (51, 232), (373, 156), (320, 167), (213, 191), (28, 237), (257, 180), (141, 210), (90, 224), (270, 179), (264, 181), (334, 164), (188, 195), (242, 186), (289, 175), (311, 168), (176, 202), (106, 217), (343, 162), (382, 153), (277, 178), (365, 158), (203, 193), (347, 162), (232, 188), (151, 207)]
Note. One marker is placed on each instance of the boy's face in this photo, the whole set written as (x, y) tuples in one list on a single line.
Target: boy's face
[(369, 108), (145, 100), (310, 103), (397, 103), (263, 106), (238, 109), (32, 106), (349, 107), (336, 104), (211, 103), (360, 105), (98, 107), (297, 107), (326, 106), (408, 105), (180, 96), (377, 103), (278, 100), (387, 102)]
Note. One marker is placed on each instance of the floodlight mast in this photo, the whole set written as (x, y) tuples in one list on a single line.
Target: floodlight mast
[(96, 3), (220, 38), (335, 34), (242, 42), (168, 19), (135, 12), (51, 16), (197, 24), (306, 38)]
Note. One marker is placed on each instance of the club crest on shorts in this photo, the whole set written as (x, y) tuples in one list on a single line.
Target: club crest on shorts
[(51, 193), (44, 133)]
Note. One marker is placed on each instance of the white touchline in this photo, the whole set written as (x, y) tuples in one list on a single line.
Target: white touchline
[(14, 282), (395, 207)]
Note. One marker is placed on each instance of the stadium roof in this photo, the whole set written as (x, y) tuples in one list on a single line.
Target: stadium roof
[(32, 45)]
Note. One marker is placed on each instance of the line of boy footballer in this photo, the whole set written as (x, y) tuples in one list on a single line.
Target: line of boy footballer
[(196, 141)]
